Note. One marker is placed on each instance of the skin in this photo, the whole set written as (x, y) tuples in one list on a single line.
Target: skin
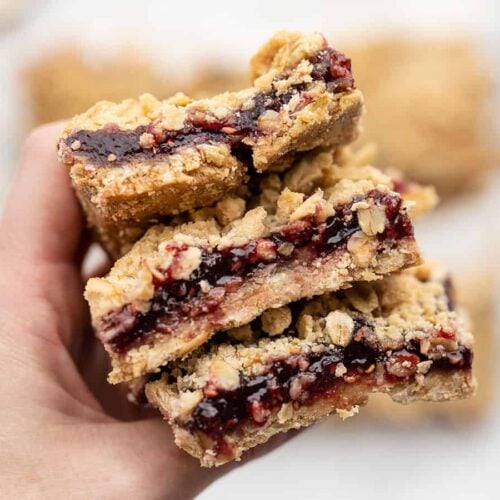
[(63, 429)]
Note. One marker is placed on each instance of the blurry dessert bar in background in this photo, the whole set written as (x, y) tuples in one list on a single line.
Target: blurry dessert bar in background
[(397, 336), (427, 108), (66, 82), (63, 83), (215, 78), (13, 11), (134, 162), (476, 295)]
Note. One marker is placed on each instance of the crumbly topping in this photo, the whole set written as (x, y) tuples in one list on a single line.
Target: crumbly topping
[(229, 209), (287, 203), (223, 375), (339, 173), (372, 220), (276, 321), (362, 248), (283, 52), (189, 261), (250, 227), (419, 199), (364, 298), (314, 206), (339, 327)]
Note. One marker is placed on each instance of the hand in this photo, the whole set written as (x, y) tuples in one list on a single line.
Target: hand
[(61, 435)]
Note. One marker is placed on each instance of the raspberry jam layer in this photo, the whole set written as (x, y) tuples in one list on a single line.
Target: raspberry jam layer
[(224, 271), (329, 66), (305, 378)]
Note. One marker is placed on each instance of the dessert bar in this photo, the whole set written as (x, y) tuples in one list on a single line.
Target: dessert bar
[(64, 81), (398, 336), (134, 162), (429, 115), (179, 285), (474, 294)]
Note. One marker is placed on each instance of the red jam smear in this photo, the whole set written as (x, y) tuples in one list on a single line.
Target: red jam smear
[(329, 66), (252, 402), (225, 271)]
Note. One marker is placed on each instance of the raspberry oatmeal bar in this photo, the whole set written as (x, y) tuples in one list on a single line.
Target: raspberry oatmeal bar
[(430, 114), (398, 336), (179, 285), (138, 160), (474, 293)]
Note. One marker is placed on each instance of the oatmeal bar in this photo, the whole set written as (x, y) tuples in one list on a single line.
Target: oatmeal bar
[(318, 169), (429, 114), (474, 294), (398, 336), (63, 82), (179, 285), (138, 160), (214, 78)]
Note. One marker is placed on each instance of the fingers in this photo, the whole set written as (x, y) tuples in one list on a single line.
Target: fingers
[(186, 478), (93, 365), (42, 219), (40, 234), (170, 471)]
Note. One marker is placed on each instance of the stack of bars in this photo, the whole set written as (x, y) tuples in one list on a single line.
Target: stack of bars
[(266, 275)]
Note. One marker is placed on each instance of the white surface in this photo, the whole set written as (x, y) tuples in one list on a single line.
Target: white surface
[(335, 459)]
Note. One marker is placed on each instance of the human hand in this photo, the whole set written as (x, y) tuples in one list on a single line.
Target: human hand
[(61, 432)]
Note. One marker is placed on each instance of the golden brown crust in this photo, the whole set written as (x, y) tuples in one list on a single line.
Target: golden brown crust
[(121, 203)]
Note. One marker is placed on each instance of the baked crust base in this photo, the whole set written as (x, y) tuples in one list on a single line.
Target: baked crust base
[(437, 386)]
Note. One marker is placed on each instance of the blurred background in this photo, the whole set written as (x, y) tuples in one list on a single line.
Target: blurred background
[(430, 71)]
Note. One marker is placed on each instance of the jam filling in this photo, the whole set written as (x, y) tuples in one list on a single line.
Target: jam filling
[(303, 379), (329, 66), (224, 271)]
